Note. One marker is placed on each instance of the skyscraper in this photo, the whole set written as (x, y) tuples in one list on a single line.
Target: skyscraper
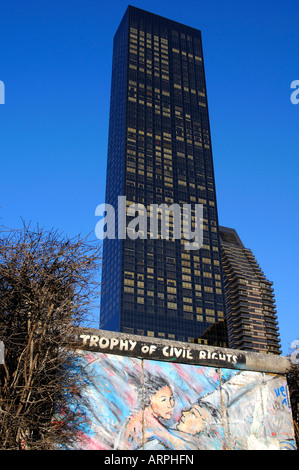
[(160, 153), (250, 305)]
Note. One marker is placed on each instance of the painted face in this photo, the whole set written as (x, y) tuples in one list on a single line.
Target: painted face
[(162, 403), (193, 420)]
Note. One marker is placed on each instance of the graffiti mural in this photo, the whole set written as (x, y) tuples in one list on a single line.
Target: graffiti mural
[(135, 404)]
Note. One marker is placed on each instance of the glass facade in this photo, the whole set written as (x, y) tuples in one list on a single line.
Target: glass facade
[(250, 305), (160, 153)]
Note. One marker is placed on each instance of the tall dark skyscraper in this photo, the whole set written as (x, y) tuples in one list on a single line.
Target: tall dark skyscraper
[(250, 305), (160, 153)]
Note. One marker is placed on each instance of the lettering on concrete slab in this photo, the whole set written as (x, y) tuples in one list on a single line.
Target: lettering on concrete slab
[(159, 351)]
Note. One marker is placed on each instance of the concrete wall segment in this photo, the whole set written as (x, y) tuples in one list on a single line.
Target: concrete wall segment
[(174, 351)]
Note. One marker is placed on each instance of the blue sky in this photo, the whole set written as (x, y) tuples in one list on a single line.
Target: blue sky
[(55, 62)]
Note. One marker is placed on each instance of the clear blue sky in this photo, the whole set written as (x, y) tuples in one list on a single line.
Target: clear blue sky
[(55, 62)]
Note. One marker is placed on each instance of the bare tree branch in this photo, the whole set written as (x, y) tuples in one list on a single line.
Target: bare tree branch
[(48, 287)]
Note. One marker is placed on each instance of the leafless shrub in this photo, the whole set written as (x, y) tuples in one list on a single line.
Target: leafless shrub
[(48, 287)]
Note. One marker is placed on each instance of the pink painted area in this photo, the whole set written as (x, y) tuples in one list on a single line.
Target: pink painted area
[(90, 443)]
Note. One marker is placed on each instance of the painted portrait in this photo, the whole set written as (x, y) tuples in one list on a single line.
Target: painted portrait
[(134, 404)]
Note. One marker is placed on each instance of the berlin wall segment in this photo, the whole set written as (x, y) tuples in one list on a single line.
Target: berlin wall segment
[(149, 394), (175, 351)]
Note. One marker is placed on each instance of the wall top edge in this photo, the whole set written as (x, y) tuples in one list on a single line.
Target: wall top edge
[(143, 347)]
